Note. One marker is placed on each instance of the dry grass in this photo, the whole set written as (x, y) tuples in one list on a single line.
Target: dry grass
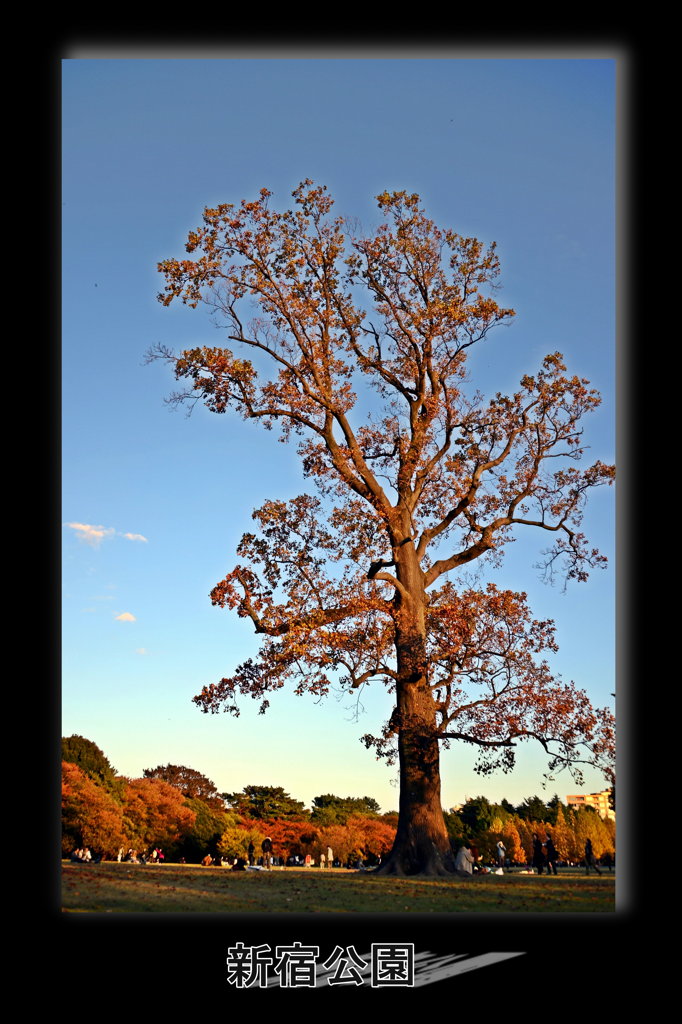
[(172, 888)]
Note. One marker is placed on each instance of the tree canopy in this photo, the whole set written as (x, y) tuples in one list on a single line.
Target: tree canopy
[(91, 815), (362, 580), (191, 783), (156, 812), (203, 835), (265, 802), (329, 809), (477, 814), (87, 755), (533, 808)]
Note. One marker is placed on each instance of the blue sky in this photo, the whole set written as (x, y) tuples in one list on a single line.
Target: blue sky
[(520, 151)]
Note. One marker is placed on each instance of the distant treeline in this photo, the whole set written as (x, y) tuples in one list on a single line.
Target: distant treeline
[(179, 810)]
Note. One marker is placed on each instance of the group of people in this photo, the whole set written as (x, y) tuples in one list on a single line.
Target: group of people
[(209, 861), (155, 856), (268, 858), (545, 857), (83, 855), (468, 859)]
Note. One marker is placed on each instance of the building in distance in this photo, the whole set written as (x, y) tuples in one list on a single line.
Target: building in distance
[(600, 802)]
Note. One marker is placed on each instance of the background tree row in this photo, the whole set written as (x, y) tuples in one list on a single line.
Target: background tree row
[(179, 809)]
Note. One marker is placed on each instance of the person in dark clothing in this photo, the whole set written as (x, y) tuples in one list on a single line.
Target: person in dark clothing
[(590, 859), (251, 850), (538, 854), (552, 855), (266, 847)]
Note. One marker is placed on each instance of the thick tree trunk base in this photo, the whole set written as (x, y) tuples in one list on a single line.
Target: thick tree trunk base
[(437, 871), (408, 864)]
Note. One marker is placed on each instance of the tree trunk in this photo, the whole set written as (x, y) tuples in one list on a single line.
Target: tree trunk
[(422, 845)]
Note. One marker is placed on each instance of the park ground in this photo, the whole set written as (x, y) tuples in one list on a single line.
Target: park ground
[(111, 887)]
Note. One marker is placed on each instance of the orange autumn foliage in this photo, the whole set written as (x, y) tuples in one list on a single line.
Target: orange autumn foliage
[(355, 585), (156, 812), (91, 816)]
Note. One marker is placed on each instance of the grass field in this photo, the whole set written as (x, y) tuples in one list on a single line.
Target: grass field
[(173, 888)]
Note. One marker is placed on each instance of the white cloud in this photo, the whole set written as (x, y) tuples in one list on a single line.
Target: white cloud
[(92, 535), (134, 536), (125, 617)]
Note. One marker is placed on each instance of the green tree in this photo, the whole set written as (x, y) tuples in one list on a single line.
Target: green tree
[(235, 839), (455, 827), (501, 812), (533, 809), (90, 759), (477, 815), (335, 810), (553, 807), (204, 834), (266, 802)]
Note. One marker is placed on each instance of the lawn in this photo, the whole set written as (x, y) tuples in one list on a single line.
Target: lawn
[(172, 888)]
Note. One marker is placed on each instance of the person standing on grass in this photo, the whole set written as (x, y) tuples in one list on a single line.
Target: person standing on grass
[(552, 855), (538, 855), (590, 859), (501, 851), (266, 847)]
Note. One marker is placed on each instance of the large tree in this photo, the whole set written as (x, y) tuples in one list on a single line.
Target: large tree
[(361, 581)]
